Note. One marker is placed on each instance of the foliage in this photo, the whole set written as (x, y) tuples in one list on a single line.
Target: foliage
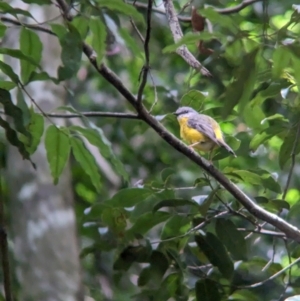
[(169, 231)]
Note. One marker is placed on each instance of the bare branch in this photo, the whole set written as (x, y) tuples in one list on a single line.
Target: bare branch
[(34, 27), (177, 35), (223, 11), (146, 67), (94, 114), (235, 9)]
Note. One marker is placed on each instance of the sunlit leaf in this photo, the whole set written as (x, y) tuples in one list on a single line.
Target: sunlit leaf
[(86, 160), (30, 45), (194, 99)]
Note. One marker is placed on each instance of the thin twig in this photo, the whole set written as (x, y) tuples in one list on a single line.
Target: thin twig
[(34, 27), (35, 103), (4, 251), (272, 277), (137, 31), (177, 35), (93, 114), (293, 158), (185, 6), (223, 11), (146, 67), (90, 114), (264, 232)]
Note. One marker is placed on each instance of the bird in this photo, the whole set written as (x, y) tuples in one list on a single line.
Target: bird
[(201, 131)]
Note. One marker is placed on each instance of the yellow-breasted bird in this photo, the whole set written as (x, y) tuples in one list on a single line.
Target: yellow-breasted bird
[(200, 131)]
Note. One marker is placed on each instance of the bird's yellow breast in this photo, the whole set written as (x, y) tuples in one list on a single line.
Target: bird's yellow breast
[(192, 136)]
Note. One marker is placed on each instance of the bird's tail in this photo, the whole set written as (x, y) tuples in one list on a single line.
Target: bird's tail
[(227, 147)]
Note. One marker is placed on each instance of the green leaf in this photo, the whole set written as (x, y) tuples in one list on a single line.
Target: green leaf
[(129, 197), (174, 203), (267, 180), (96, 137), (86, 160), (7, 9), (194, 99), (287, 146), (99, 36), (145, 276), (115, 219), (257, 176), (207, 290), (81, 23), (206, 202), (13, 139), (2, 30), (57, 145), (240, 90), (147, 221), (216, 253), (191, 38), (166, 174), (216, 18), (131, 43), (243, 176), (13, 111), (281, 59), (36, 129), (266, 135), (7, 85), (123, 8), (71, 44), (18, 54), (59, 30), (6, 69), (232, 238), (175, 226), (31, 46), (39, 2)]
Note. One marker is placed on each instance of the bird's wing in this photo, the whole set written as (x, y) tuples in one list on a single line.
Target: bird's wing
[(202, 126)]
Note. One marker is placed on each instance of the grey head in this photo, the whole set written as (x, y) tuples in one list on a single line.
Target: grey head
[(185, 112)]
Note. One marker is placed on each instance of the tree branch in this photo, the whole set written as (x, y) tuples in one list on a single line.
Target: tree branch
[(31, 26), (290, 231), (93, 114), (146, 67), (177, 35), (223, 11)]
